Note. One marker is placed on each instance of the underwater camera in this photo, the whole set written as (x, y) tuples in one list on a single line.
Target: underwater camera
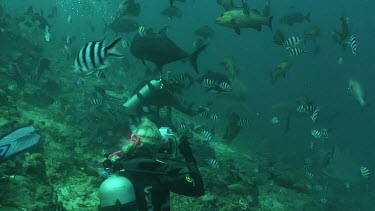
[(169, 145)]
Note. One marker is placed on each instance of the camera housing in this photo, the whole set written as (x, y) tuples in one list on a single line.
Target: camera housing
[(169, 145)]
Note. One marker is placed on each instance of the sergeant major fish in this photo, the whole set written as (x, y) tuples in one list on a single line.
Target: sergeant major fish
[(93, 55)]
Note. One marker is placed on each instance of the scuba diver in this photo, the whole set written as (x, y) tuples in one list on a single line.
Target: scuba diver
[(341, 37), (148, 171), (156, 98)]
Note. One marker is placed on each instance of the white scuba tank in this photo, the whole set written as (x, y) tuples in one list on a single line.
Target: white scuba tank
[(134, 102), (116, 188)]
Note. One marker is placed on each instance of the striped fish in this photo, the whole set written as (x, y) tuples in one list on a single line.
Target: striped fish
[(243, 122), (365, 172), (246, 9), (314, 115), (205, 114), (183, 127), (309, 175), (353, 44), (214, 117), (292, 42), (92, 56), (319, 134), (225, 86), (94, 102), (209, 83), (296, 52), (207, 135), (213, 163), (309, 109)]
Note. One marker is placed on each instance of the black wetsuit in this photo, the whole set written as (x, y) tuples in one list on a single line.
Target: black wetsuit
[(153, 181)]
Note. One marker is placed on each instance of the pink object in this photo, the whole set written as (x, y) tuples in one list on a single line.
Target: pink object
[(134, 137), (114, 153)]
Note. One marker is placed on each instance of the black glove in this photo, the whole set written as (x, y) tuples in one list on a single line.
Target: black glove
[(185, 150)]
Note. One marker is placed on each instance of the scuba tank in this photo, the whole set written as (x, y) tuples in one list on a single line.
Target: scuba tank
[(136, 100)]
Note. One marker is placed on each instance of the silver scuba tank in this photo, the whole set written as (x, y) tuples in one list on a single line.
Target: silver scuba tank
[(134, 102)]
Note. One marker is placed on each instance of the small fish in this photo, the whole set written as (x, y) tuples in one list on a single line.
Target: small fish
[(309, 109), (124, 44), (358, 92), (314, 115), (207, 135), (225, 86), (180, 78), (94, 102), (92, 56), (320, 133), (70, 19), (296, 52), (214, 117), (209, 83), (243, 122), (309, 175), (308, 163), (183, 127), (323, 200), (292, 42), (205, 114), (142, 31), (12, 86), (353, 44), (246, 9), (275, 120), (68, 39), (365, 172), (47, 34), (112, 111), (213, 163), (340, 60)]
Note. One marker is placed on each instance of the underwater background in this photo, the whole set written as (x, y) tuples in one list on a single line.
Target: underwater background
[(266, 162)]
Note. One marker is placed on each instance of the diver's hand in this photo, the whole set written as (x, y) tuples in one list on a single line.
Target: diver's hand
[(185, 150)]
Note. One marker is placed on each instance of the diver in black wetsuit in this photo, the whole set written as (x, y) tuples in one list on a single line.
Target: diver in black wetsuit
[(150, 180), (156, 98)]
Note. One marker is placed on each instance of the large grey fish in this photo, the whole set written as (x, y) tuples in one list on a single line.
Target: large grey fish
[(172, 12), (160, 50), (294, 17), (123, 25)]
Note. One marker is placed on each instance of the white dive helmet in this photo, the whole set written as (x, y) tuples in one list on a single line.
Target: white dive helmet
[(117, 191)]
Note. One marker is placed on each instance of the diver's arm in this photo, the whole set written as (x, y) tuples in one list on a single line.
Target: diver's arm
[(190, 184), (186, 109)]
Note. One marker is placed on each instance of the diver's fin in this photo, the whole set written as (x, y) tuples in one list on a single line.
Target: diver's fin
[(18, 141), (194, 56)]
